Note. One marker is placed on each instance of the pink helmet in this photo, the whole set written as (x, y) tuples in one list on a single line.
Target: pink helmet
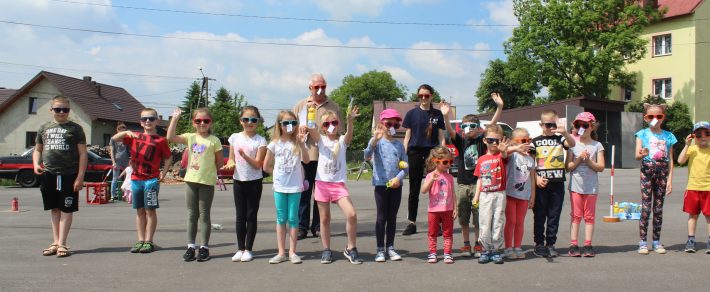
[(390, 114)]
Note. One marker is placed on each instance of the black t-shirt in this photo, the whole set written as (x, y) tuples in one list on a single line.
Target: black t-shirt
[(469, 151), (418, 120), (549, 154)]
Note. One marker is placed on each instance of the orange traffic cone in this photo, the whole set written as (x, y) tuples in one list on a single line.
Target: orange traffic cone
[(15, 205)]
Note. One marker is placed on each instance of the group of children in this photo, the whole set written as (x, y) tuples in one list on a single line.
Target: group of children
[(499, 179)]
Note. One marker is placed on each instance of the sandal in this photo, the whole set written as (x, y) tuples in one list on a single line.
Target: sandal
[(63, 251), (51, 250)]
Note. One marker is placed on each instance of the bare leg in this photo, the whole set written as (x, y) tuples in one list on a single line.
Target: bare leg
[(707, 219), (293, 239), (281, 238), (151, 224), (324, 210), (346, 205), (588, 231), (56, 215), (64, 226), (574, 232), (140, 223), (465, 230), (692, 224)]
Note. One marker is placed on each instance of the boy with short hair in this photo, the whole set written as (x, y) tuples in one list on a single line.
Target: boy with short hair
[(470, 146), (60, 159), (146, 151), (697, 194), (549, 150)]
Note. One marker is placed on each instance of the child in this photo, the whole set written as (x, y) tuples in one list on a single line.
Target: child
[(126, 186), (60, 158), (654, 147), (204, 158), (330, 182), (247, 151), (520, 193), (549, 150), (440, 186), (469, 145), (490, 191), (584, 161), (286, 151), (697, 194), (147, 150), (389, 168)]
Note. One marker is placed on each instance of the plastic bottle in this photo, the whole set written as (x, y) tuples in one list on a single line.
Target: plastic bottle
[(616, 208), (311, 117)]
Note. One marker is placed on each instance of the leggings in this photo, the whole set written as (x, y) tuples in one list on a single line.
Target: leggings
[(247, 195), (446, 220), (199, 201), (416, 158), (654, 176), (287, 208), (387, 201), (515, 210)]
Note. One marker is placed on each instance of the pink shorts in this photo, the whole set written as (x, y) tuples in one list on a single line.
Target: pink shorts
[(584, 206), (330, 192)]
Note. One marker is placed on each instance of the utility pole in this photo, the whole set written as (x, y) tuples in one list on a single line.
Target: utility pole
[(205, 90)]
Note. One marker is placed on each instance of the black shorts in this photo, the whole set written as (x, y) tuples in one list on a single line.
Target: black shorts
[(58, 192)]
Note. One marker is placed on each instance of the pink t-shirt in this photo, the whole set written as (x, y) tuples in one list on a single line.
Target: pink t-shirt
[(441, 193)]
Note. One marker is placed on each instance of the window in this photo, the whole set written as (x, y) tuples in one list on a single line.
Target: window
[(628, 93), (662, 45), (32, 110), (107, 139), (30, 139), (663, 88)]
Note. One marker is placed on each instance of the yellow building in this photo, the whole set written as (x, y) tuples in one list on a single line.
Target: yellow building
[(677, 63)]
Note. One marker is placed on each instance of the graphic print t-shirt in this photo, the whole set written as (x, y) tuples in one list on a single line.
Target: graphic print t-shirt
[(549, 153), (469, 151), (519, 185), (147, 151), (250, 145), (288, 171), (658, 145), (441, 193), (490, 170), (418, 120), (60, 155), (201, 165), (331, 168)]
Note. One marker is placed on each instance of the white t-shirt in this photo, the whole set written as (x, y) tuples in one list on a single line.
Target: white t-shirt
[(250, 145), (331, 169), (288, 171)]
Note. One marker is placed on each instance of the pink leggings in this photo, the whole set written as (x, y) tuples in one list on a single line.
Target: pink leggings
[(583, 206), (515, 210)]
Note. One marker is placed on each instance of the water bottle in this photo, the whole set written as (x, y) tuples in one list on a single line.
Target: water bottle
[(311, 117)]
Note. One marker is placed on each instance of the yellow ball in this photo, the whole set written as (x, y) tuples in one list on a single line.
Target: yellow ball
[(403, 165)]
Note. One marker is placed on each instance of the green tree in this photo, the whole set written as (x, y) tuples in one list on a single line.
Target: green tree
[(224, 112), (190, 102), (365, 89), (677, 121), (414, 96), (511, 81), (580, 47)]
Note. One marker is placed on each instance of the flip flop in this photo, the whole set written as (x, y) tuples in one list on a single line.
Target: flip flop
[(63, 251), (51, 250)]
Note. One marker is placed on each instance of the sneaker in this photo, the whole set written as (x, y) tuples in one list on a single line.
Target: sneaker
[(394, 256), (477, 250), (484, 259), (497, 259), (540, 251), (295, 259), (326, 257), (147, 247), (237, 256), (707, 248), (519, 253), (137, 247), (301, 234), (277, 259), (643, 248), (431, 258), (203, 254), (247, 256), (574, 251), (410, 229), (509, 254), (659, 248), (316, 233), (189, 254), (551, 251), (589, 251), (380, 257), (690, 246), (448, 259), (352, 256), (466, 251)]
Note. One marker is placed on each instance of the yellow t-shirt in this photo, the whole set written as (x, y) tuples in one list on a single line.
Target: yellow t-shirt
[(698, 168), (201, 165)]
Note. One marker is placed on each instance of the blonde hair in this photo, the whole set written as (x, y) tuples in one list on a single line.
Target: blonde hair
[(202, 110), (520, 131), (150, 109), (277, 133), (438, 152), (495, 129), (60, 98), (325, 116), (548, 113)]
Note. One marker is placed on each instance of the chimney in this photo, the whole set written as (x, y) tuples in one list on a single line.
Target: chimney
[(650, 3), (87, 78)]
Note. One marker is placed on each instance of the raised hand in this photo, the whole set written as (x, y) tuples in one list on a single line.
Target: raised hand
[(503, 144), (495, 96), (689, 139), (445, 109), (177, 113), (354, 113), (302, 134), (379, 132)]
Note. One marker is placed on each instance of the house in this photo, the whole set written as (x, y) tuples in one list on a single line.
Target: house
[(95, 106), (676, 64)]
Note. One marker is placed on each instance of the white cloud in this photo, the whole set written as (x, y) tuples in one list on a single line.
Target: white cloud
[(345, 9), (399, 74), (501, 12), (447, 64)]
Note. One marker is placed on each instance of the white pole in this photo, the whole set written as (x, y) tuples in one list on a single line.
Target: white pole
[(611, 195)]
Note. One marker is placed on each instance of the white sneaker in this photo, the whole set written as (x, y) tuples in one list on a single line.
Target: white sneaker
[(247, 256), (278, 259), (237, 256), (394, 256), (509, 254), (295, 259), (519, 253)]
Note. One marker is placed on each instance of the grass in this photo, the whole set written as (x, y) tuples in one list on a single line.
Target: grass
[(5, 182)]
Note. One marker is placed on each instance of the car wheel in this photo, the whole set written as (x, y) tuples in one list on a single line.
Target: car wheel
[(27, 179)]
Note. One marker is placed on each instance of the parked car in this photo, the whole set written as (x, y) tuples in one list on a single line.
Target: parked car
[(19, 168), (456, 124), (222, 173)]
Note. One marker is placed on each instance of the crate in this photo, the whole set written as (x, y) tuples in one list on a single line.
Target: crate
[(97, 193)]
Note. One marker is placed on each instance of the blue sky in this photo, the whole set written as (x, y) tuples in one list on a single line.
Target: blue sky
[(271, 77)]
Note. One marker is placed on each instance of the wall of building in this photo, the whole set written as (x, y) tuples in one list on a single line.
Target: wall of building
[(702, 62)]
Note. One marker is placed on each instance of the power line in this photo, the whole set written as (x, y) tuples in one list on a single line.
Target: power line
[(93, 71), (245, 42), (285, 18)]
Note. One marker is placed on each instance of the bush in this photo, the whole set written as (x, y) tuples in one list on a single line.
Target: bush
[(678, 120)]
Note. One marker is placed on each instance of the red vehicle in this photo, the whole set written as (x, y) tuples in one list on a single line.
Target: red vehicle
[(19, 168), (222, 173)]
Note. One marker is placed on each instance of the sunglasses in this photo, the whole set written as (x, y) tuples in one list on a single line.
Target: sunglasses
[(550, 125), (472, 125), (443, 161), (390, 125), (523, 140), (316, 87), (334, 123), (492, 140), (700, 134), (290, 122), (61, 110), (582, 125), (122, 128), (658, 117), (424, 95), (148, 119), (252, 120), (202, 121)]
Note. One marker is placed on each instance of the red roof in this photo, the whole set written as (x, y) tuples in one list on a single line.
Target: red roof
[(679, 7), (5, 94)]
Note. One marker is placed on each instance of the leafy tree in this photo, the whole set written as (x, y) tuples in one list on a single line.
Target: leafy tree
[(677, 121), (511, 81), (190, 102), (415, 96), (580, 47), (365, 89), (224, 112)]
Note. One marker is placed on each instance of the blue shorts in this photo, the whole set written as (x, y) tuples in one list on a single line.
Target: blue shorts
[(145, 193)]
